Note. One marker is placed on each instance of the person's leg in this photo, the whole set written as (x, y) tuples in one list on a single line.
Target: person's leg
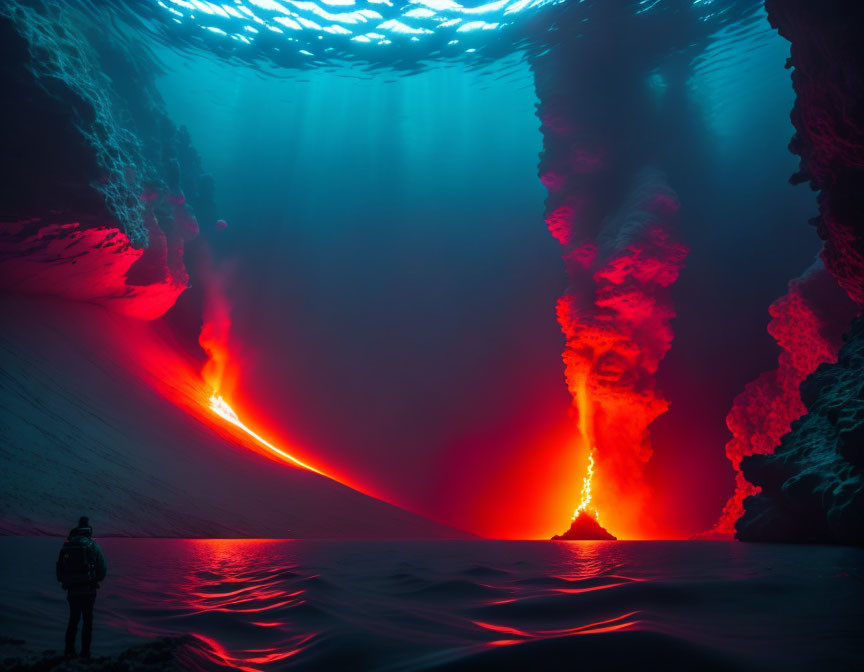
[(87, 628), (72, 627)]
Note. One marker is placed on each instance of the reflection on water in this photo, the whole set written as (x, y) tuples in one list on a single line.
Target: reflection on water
[(267, 605)]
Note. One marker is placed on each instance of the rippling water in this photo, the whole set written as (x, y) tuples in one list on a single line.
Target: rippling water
[(270, 604)]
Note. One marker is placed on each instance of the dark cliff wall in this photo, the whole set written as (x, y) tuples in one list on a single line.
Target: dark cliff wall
[(97, 185), (812, 487)]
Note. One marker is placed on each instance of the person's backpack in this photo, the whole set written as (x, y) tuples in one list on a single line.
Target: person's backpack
[(77, 564)]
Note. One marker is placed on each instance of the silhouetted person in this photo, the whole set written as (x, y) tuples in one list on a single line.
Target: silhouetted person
[(80, 568)]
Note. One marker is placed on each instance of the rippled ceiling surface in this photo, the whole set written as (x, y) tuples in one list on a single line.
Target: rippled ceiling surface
[(378, 22), (401, 33)]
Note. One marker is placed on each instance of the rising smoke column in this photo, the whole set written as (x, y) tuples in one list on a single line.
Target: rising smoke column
[(807, 323), (612, 209), (215, 327), (617, 327)]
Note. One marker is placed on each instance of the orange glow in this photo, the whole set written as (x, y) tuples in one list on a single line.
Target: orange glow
[(585, 501), (221, 374), (586, 432), (221, 408)]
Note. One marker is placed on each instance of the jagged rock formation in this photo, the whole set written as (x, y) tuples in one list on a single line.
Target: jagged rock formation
[(585, 527), (95, 181), (813, 484), (813, 487), (808, 323), (828, 116)]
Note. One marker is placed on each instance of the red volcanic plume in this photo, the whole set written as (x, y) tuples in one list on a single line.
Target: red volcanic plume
[(217, 371), (215, 330), (615, 316), (807, 324)]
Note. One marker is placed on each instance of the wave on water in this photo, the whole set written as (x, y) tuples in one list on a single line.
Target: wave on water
[(260, 605)]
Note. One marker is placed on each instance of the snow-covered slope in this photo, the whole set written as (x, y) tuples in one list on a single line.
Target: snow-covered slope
[(100, 415)]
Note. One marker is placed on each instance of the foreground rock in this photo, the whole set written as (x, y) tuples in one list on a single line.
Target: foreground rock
[(585, 527), (169, 653), (812, 487), (813, 484)]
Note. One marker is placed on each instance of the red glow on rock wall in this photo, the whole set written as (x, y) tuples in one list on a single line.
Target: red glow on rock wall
[(806, 323), (95, 265)]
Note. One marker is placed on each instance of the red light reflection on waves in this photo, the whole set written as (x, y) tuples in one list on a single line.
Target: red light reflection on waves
[(596, 628), (239, 577)]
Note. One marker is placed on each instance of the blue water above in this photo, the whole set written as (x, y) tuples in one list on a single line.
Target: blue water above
[(401, 36), (270, 604)]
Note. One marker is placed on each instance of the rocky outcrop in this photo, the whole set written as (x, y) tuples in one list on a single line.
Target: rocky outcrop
[(828, 116), (812, 489), (585, 528), (97, 186), (813, 484), (807, 323)]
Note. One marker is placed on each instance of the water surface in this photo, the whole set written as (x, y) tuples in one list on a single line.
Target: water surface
[(274, 604)]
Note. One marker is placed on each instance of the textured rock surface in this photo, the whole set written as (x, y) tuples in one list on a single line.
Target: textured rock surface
[(96, 184), (812, 487), (807, 323), (168, 653), (813, 484), (584, 527), (828, 116)]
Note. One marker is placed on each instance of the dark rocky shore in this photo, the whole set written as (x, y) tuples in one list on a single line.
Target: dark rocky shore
[(160, 654)]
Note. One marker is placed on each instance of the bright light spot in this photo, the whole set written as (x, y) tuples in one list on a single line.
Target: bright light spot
[(419, 13), (322, 19), (471, 25), (288, 22), (271, 5), (308, 23), (399, 27), (233, 12), (585, 499), (221, 408), (485, 9), (337, 30)]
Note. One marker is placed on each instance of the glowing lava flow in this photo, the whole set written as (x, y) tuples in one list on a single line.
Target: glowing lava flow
[(221, 408), (585, 500), (586, 431)]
